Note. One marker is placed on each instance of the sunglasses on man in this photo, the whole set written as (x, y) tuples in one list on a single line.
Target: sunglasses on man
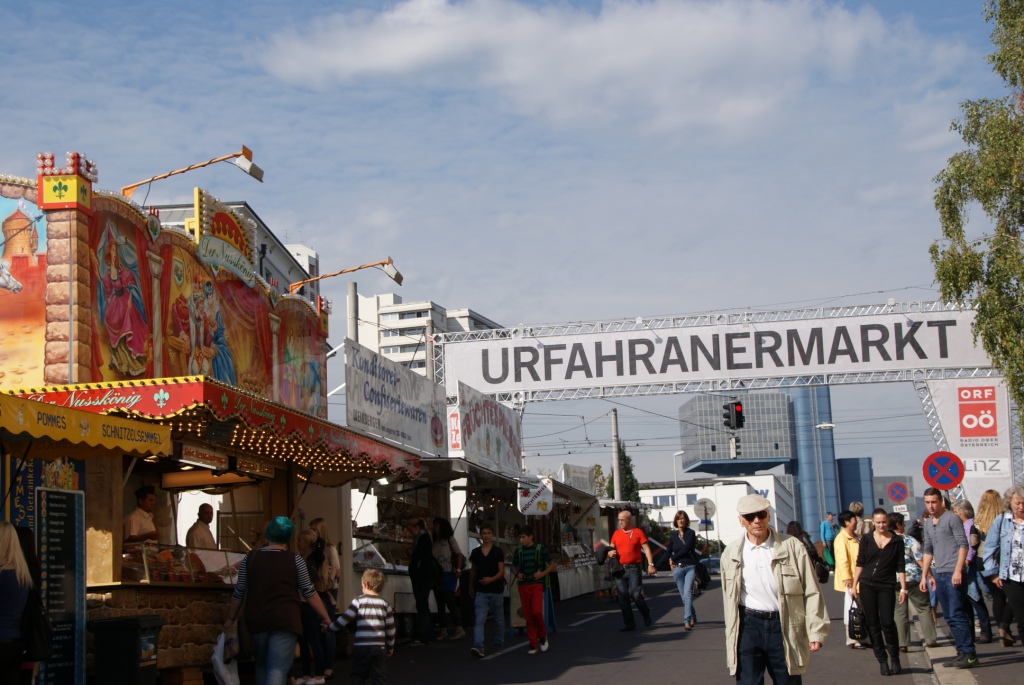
[(760, 515)]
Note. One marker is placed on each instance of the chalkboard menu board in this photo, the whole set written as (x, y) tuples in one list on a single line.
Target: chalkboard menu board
[(60, 540)]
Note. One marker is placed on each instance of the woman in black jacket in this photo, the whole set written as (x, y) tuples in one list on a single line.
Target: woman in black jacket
[(682, 557), (880, 564)]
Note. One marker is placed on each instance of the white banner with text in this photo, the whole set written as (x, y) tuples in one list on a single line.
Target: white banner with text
[(853, 344), (386, 399), (489, 433)]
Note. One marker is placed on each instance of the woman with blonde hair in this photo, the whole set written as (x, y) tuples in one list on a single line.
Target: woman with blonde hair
[(327, 587), (15, 582), (990, 507)]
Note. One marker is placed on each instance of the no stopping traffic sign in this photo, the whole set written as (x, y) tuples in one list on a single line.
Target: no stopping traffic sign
[(943, 470)]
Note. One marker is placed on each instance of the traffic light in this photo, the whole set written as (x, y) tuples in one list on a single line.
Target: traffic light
[(733, 415)]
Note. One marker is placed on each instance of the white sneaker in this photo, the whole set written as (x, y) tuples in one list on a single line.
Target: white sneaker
[(544, 645), (532, 651)]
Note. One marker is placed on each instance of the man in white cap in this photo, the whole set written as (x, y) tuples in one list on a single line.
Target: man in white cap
[(768, 586)]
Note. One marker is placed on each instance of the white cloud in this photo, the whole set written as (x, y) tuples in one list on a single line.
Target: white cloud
[(666, 64)]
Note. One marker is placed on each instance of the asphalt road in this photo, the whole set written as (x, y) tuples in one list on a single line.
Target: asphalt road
[(587, 647)]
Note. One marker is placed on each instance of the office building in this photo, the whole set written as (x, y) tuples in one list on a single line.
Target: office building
[(856, 476), (402, 331), (790, 429)]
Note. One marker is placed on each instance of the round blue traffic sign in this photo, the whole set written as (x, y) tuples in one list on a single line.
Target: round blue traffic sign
[(943, 470), (897, 492)]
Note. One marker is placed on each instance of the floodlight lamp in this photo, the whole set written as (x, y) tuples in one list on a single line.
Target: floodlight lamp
[(249, 167), (392, 272)]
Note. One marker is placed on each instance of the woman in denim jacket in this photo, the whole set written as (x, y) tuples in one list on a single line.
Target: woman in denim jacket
[(1003, 552)]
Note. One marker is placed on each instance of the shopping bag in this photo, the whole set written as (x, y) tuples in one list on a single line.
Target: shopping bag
[(226, 673), (857, 627)]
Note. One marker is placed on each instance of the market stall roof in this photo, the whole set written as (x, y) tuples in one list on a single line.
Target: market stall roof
[(239, 423), (27, 419)]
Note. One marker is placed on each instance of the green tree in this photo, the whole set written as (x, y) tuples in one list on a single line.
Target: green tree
[(600, 480), (988, 271), (630, 485)]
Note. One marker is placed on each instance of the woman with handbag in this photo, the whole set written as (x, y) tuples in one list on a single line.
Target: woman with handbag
[(1004, 551), (880, 564), (990, 511), (682, 560), (449, 557), (15, 583), (845, 548)]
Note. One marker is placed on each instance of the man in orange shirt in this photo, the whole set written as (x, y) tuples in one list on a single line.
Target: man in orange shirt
[(627, 543)]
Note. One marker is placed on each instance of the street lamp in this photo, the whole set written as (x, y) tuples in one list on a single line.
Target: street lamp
[(675, 478), (386, 265), (242, 160)]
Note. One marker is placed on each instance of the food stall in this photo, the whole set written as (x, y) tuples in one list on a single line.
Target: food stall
[(55, 462), (218, 436)]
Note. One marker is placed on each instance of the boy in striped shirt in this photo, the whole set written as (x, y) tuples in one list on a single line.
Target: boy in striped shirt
[(374, 639)]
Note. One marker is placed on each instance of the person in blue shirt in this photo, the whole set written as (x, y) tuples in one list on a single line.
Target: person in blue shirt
[(827, 532)]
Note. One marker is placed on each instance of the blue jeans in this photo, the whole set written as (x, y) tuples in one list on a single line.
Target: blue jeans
[(760, 647), (953, 602), (493, 602), (629, 585), (274, 653), (683, 575)]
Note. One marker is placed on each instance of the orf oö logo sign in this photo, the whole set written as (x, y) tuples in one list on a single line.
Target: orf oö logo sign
[(978, 411)]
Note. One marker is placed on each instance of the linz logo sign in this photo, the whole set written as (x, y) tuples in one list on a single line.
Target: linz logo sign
[(978, 412)]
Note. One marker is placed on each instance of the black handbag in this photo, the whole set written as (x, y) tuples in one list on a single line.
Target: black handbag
[(702, 575), (821, 570), (857, 624), (36, 629)]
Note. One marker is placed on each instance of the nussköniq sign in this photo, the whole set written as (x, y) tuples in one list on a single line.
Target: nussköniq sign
[(853, 344)]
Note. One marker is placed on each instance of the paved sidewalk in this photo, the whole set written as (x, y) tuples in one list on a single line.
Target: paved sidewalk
[(998, 664)]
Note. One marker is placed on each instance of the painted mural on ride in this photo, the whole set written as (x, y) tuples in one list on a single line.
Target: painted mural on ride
[(94, 289)]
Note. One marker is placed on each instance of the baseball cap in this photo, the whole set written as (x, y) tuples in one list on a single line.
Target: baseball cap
[(751, 504)]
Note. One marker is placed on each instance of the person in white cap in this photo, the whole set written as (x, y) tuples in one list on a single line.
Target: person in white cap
[(768, 584)]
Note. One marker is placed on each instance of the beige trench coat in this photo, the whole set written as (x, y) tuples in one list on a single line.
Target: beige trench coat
[(801, 605)]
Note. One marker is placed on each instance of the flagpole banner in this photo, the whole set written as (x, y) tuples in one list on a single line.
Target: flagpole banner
[(975, 418), (386, 399), (491, 433)]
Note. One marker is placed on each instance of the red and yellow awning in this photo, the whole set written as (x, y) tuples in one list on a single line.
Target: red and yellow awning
[(245, 424), (46, 421)]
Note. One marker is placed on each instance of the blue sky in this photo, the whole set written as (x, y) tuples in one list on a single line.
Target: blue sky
[(540, 162)]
